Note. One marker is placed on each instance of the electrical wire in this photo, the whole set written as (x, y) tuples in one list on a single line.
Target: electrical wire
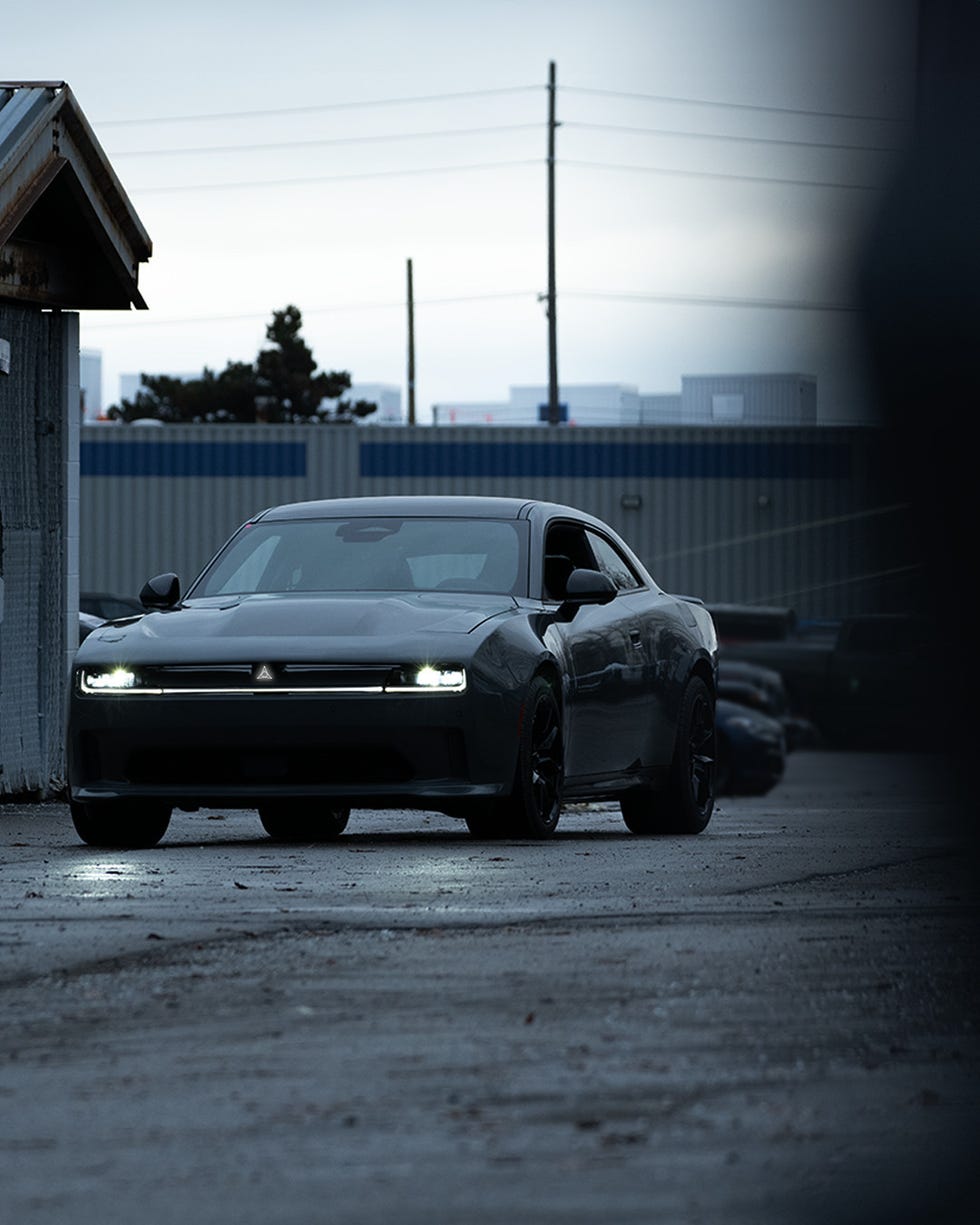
[(720, 175), (303, 180), (320, 107), (331, 140), (724, 136), (737, 106), (332, 178), (144, 321)]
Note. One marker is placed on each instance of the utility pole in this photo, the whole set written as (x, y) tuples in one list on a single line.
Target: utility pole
[(553, 409), (411, 348)]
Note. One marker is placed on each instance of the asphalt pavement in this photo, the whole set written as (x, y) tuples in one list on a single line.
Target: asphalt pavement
[(774, 1021)]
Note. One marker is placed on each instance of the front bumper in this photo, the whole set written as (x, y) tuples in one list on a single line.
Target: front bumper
[(242, 749)]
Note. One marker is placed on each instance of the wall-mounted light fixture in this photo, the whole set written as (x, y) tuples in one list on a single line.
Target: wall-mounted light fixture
[(631, 501)]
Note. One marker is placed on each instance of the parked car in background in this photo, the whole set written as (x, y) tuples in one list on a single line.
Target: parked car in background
[(106, 606), (484, 657), (763, 689), (751, 750), (863, 681)]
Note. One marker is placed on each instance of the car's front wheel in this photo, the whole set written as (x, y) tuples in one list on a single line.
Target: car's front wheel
[(686, 803), (129, 824), (533, 808), (299, 821)]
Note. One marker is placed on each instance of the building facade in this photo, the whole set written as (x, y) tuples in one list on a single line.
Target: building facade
[(715, 399), (789, 515)]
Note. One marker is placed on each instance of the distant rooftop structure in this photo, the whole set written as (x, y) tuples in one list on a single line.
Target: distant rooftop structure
[(90, 383), (704, 399), (387, 396)]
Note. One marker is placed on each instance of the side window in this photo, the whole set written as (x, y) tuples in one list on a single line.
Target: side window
[(613, 563), (566, 549)]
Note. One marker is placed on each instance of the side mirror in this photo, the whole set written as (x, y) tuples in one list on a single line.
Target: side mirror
[(161, 592), (587, 587)]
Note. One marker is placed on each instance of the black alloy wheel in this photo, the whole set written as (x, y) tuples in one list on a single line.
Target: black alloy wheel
[(533, 808), (686, 803)]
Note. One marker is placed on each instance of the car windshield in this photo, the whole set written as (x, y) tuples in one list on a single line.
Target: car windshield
[(479, 555)]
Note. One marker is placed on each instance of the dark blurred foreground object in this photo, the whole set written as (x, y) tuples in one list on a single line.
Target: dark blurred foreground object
[(919, 283)]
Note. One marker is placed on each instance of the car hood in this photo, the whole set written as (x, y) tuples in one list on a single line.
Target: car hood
[(294, 627)]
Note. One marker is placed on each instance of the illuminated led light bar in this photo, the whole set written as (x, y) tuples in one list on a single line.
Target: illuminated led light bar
[(110, 680), (430, 679), (422, 680)]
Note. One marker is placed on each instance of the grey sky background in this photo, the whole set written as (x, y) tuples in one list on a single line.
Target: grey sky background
[(323, 197)]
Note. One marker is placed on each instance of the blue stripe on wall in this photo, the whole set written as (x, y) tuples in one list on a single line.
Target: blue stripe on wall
[(143, 457), (668, 460)]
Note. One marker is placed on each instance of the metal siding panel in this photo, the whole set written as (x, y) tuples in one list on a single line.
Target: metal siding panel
[(35, 485), (700, 527)]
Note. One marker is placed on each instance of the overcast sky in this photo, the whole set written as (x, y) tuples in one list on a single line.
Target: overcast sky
[(301, 152)]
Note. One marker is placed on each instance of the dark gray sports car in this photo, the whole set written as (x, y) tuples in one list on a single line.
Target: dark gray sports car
[(483, 657)]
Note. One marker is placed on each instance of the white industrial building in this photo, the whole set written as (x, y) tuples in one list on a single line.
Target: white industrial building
[(704, 399)]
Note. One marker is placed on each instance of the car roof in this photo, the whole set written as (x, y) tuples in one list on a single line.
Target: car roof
[(407, 506)]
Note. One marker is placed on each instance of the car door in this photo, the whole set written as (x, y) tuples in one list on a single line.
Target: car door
[(651, 623), (603, 648)]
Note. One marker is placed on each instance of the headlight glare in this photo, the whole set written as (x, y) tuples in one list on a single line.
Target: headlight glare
[(107, 679), (429, 678), (440, 678)]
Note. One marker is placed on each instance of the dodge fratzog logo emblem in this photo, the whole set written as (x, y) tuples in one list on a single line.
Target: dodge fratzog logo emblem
[(263, 674)]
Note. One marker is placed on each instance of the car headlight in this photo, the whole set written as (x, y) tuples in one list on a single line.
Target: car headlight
[(111, 680), (429, 678)]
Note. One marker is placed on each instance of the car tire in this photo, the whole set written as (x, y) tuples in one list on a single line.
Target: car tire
[(534, 806), (686, 803), (296, 821), (127, 824)]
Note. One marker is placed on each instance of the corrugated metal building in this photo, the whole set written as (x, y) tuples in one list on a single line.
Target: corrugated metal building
[(69, 239), (749, 515)]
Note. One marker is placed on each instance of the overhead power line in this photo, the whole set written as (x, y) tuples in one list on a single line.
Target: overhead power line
[(319, 107), (302, 180), (333, 178), (529, 295), (721, 175), (676, 299), (409, 100), (331, 140), (737, 106), (725, 136), (439, 133), (142, 320)]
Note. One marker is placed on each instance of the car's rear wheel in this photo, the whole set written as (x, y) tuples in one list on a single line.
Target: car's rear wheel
[(534, 806), (300, 821), (130, 824), (686, 803)]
